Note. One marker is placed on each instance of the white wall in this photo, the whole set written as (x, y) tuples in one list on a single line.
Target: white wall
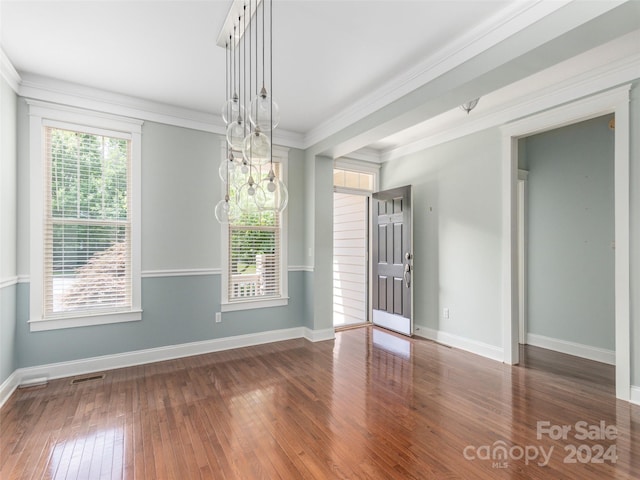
[(8, 182), (634, 150), (180, 188), (457, 234), (8, 212)]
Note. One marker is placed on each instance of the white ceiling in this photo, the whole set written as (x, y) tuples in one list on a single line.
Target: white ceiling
[(329, 55)]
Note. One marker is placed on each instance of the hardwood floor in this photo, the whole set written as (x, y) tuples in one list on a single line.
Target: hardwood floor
[(367, 405)]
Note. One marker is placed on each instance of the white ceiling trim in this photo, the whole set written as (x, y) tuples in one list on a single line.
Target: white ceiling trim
[(584, 85), (369, 155), (488, 34), (8, 72), (74, 95)]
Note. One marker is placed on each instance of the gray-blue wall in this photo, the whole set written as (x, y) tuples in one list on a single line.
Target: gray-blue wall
[(8, 352), (570, 233), (180, 188), (176, 310)]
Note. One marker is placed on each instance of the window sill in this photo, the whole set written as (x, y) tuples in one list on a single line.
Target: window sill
[(41, 325), (253, 304)]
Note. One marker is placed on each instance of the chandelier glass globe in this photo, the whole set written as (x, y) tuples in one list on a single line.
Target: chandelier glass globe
[(249, 196), (231, 109), (243, 172), (226, 211), (275, 194), (256, 148), (228, 168), (263, 114), (235, 134)]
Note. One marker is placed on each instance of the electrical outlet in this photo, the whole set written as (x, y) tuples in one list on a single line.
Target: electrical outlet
[(445, 312), (218, 317)]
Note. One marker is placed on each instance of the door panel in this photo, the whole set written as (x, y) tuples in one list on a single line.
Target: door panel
[(398, 252), (382, 250), (397, 296), (392, 265)]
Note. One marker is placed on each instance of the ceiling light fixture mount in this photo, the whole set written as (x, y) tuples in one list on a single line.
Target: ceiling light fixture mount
[(470, 105)]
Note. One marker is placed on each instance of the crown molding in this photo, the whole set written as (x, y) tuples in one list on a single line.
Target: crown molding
[(56, 91), (75, 95), (8, 72), (580, 86)]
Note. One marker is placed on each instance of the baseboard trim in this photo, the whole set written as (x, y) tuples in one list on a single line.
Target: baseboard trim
[(8, 387), (151, 355), (570, 348), (319, 335), (466, 344), (635, 395)]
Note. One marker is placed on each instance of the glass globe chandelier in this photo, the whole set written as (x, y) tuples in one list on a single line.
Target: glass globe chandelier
[(250, 114)]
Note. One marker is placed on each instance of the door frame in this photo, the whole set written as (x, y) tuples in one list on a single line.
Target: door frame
[(614, 101), (522, 256)]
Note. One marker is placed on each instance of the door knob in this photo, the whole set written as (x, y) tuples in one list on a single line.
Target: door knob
[(407, 275)]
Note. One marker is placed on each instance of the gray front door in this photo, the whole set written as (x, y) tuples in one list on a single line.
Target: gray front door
[(392, 258)]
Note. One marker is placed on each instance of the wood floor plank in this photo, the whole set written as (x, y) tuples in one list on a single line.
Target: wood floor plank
[(350, 408)]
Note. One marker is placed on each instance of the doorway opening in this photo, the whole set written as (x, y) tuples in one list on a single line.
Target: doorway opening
[(565, 225), (615, 101), (351, 203), (350, 239)]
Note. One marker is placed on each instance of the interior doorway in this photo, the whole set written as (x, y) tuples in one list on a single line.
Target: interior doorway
[(565, 240), (614, 101)]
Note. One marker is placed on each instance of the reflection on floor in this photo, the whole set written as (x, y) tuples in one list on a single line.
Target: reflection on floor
[(369, 404)]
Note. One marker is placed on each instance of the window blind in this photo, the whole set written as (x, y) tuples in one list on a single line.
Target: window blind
[(87, 229), (255, 255)]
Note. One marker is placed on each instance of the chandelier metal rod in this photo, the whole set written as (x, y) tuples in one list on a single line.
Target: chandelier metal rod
[(271, 81)]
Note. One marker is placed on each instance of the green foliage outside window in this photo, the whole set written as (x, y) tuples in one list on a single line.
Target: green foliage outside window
[(89, 183)]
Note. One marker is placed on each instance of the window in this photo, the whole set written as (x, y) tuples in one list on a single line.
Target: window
[(255, 273), (353, 180), (85, 244)]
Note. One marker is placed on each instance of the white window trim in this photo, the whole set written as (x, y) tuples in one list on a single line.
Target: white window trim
[(282, 156), (42, 113)]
